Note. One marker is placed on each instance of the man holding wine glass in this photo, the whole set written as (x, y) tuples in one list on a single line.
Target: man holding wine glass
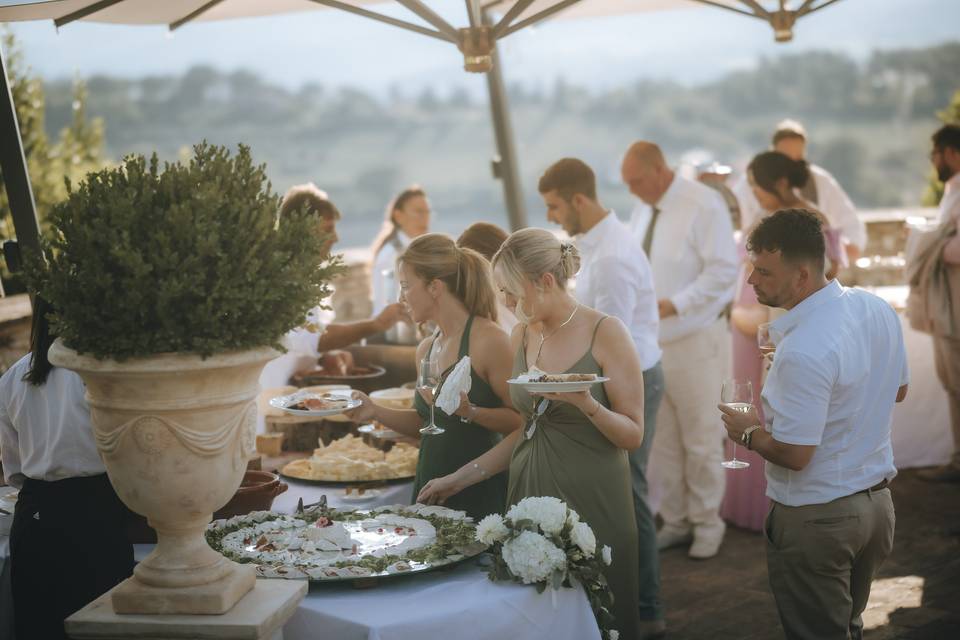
[(840, 365)]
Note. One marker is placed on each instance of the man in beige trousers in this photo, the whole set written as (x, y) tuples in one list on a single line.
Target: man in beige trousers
[(827, 402), (684, 228)]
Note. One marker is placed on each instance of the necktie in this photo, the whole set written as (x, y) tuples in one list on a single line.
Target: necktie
[(648, 236)]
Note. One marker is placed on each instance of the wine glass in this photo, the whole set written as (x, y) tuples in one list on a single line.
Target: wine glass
[(738, 395), (764, 342), (429, 378)]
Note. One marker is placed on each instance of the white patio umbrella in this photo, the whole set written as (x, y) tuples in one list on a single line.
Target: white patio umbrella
[(476, 40)]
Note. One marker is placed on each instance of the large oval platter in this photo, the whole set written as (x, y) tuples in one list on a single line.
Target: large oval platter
[(327, 545)]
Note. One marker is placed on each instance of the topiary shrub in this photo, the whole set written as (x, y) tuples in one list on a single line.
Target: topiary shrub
[(190, 259)]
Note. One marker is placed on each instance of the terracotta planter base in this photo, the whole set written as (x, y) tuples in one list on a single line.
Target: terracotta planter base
[(215, 598)]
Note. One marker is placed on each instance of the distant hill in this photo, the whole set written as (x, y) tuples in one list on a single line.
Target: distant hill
[(869, 123)]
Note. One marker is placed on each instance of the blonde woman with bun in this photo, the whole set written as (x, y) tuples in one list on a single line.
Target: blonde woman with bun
[(452, 287), (576, 449)]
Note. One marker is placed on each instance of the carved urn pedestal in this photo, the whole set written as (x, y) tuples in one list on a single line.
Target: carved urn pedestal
[(175, 433)]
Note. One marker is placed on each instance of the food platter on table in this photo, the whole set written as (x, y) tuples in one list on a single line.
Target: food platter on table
[(537, 381), (322, 544), (317, 405), (351, 460)]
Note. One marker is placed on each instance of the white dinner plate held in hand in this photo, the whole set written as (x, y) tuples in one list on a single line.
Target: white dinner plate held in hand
[(556, 387), (336, 403)]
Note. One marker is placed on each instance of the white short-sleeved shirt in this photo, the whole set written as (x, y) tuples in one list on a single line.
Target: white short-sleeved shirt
[(839, 363), (45, 431), (615, 279)]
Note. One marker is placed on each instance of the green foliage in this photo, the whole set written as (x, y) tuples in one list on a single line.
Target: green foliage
[(189, 259), (950, 115), (77, 151)]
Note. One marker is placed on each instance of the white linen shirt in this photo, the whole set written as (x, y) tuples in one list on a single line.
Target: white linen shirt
[(839, 362), (950, 202), (386, 260), (693, 256), (615, 279), (45, 431), (832, 201)]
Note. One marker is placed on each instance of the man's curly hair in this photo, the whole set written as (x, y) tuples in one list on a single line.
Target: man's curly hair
[(796, 233)]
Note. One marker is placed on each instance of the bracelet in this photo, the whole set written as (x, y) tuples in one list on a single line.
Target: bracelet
[(483, 473), (595, 411), (746, 438), (471, 414)]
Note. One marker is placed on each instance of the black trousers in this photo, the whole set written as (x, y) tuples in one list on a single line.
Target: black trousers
[(68, 546)]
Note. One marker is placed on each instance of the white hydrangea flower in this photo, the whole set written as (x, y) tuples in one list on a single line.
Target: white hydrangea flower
[(548, 512), (533, 558), (582, 536), (614, 634), (607, 553), (492, 529), (572, 517)]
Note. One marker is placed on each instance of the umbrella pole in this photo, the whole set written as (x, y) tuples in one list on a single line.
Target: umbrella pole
[(505, 163), (13, 163)]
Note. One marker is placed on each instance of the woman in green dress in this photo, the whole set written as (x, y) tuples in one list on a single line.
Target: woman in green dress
[(573, 445), (452, 287)]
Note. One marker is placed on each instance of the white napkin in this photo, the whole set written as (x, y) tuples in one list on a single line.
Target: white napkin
[(458, 380)]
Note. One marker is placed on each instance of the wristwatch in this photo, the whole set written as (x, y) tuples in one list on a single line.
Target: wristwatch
[(746, 438)]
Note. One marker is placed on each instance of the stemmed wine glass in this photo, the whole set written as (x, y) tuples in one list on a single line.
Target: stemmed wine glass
[(738, 395), (429, 378), (764, 342)]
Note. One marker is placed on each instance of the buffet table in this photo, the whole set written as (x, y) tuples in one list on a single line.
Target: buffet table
[(459, 600)]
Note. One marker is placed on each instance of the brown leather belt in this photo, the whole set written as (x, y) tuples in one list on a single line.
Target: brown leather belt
[(877, 487)]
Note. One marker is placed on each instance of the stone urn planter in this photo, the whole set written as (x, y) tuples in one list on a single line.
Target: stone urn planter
[(175, 432)]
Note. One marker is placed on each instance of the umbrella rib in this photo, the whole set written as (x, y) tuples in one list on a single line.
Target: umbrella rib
[(537, 17), (490, 5), (430, 16), (812, 9), (757, 8), (176, 24), (84, 12), (473, 12), (519, 7), (343, 6)]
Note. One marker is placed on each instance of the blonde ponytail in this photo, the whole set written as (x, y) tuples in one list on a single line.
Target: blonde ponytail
[(466, 273)]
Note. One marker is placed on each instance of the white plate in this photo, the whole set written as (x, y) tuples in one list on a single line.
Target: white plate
[(283, 402), (557, 387), (378, 433)]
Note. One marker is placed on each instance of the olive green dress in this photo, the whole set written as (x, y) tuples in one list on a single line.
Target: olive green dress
[(444, 453), (567, 457)]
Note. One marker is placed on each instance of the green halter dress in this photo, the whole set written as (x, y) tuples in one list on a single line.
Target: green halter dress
[(568, 458), (444, 453)]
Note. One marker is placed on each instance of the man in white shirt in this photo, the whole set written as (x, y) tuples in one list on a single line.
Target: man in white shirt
[(946, 160), (822, 189), (684, 228), (839, 366), (615, 279)]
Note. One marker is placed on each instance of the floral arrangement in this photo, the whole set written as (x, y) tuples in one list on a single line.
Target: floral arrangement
[(542, 541)]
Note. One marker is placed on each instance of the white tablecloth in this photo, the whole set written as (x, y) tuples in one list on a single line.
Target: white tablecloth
[(461, 603)]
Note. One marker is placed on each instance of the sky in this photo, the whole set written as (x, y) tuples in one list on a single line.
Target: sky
[(340, 49)]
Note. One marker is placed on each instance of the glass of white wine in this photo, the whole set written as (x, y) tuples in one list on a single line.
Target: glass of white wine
[(738, 395), (429, 378)]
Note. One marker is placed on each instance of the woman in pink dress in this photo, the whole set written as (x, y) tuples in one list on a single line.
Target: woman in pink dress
[(775, 179)]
